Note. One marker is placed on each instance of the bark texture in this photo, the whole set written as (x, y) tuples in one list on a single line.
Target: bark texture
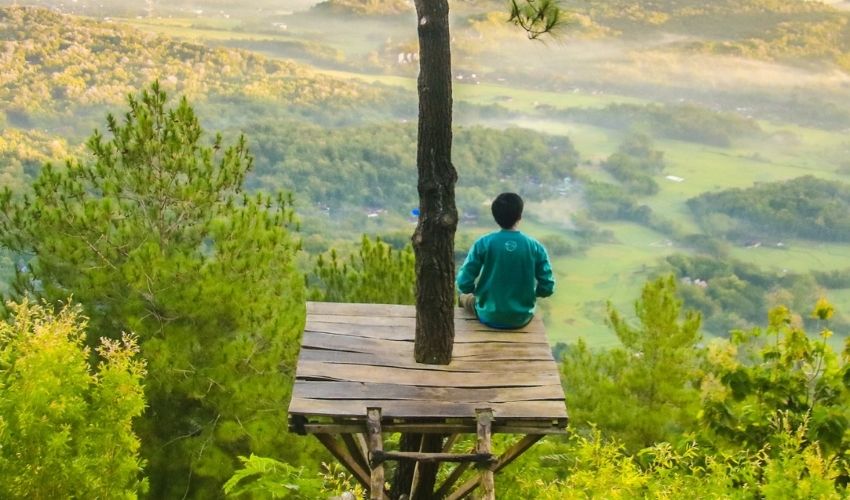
[(433, 240)]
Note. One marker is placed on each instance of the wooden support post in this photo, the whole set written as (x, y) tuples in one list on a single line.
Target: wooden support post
[(485, 419), (341, 454), (507, 457), (376, 444)]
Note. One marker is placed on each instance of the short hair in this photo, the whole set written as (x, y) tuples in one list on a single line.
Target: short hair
[(507, 209)]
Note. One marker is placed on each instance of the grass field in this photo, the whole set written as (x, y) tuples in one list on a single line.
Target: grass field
[(616, 271)]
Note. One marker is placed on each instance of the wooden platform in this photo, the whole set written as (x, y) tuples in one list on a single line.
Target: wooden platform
[(359, 356)]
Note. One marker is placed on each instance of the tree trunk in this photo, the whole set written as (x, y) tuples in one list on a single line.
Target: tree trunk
[(433, 240)]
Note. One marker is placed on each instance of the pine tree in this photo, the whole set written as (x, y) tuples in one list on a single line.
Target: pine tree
[(376, 274), (153, 234), (642, 392)]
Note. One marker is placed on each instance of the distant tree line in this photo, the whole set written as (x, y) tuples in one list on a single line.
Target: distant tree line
[(371, 167), (684, 122), (805, 207), (732, 294)]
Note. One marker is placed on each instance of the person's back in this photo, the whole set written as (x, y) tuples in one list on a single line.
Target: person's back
[(505, 271)]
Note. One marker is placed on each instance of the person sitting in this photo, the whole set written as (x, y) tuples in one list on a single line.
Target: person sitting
[(505, 271)]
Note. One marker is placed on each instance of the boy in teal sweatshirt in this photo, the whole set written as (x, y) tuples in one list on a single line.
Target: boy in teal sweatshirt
[(505, 271)]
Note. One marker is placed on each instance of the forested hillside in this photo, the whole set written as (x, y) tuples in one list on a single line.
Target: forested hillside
[(344, 146), (56, 67)]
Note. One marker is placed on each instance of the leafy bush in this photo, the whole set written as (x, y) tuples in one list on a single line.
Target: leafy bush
[(66, 427)]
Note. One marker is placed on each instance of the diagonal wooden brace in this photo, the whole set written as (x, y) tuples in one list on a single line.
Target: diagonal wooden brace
[(505, 459)]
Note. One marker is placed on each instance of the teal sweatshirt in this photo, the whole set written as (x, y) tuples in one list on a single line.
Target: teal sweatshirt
[(511, 270)]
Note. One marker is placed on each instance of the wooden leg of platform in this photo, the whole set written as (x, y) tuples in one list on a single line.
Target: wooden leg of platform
[(341, 454), (507, 457), (376, 443), (485, 420)]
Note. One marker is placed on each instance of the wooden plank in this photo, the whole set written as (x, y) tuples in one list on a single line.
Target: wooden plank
[(473, 324), (480, 362), (522, 410), (408, 322), (355, 309), (407, 334), (433, 378), (356, 390), (316, 309), (318, 340), (457, 364), (344, 343), (376, 445), (369, 331), (366, 320)]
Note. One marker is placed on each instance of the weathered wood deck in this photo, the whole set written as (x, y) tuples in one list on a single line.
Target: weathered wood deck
[(359, 356)]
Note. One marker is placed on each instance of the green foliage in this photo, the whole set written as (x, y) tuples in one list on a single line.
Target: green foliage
[(377, 274), (805, 207), (23, 153), (362, 168), (641, 392), (685, 122), (556, 245), (635, 163), (779, 370), (606, 201), (65, 427), (596, 467), (153, 234), (732, 294), (61, 65), (536, 17), (268, 478)]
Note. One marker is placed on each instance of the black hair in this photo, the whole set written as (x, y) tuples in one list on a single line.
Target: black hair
[(507, 209)]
